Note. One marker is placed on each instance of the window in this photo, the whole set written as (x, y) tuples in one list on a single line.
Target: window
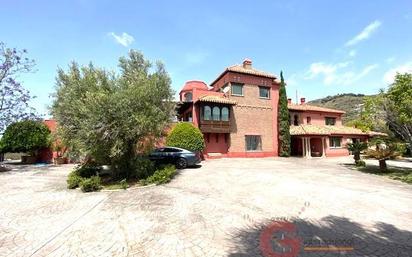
[(308, 120), (172, 150), (264, 92), (207, 113), (330, 121), (237, 89), (188, 97), (296, 120), (335, 142), (253, 143), (225, 114), (216, 113)]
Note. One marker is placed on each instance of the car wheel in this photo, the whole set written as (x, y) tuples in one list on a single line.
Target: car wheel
[(181, 163)]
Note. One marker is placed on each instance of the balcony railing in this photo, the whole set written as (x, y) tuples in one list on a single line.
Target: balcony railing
[(214, 126)]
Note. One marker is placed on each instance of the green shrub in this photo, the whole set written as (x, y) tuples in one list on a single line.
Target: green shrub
[(186, 136), (25, 136), (73, 180), (90, 184), (360, 163), (161, 176), (88, 170), (124, 184), (142, 168)]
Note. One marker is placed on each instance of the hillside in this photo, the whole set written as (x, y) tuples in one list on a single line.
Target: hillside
[(350, 103)]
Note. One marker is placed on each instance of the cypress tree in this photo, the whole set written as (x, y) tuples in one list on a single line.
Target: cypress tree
[(283, 120)]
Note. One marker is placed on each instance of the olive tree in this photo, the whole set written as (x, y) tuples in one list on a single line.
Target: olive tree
[(104, 116)]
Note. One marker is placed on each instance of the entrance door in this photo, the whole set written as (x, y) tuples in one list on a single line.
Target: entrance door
[(296, 146), (217, 142), (316, 147)]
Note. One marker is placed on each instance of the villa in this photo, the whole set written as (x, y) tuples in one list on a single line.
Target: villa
[(238, 116)]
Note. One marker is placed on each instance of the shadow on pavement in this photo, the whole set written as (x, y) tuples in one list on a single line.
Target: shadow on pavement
[(381, 240)]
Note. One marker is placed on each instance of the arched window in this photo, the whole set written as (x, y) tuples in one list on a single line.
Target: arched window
[(188, 97), (225, 114), (207, 113), (216, 113)]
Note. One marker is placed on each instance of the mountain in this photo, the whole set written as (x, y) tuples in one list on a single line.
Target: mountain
[(350, 103)]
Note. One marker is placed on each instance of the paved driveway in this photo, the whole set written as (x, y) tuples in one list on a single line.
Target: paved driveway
[(220, 209)]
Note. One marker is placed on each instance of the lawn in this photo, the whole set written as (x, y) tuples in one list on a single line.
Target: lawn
[(397, 173)]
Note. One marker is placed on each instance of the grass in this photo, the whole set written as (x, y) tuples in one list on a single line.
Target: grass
[(110, 184), (396, 173)]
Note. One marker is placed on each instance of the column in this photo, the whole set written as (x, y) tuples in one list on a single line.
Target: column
[(303, 147), (323, 147), (309, 151)]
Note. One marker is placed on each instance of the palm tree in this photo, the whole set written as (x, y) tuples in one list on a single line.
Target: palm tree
[(356, 148), (384, 152)]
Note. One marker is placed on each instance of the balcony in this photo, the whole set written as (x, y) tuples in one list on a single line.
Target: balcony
[(214, 126)]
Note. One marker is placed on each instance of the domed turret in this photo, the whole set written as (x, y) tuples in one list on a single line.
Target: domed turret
[(190, 85), (186, 94)]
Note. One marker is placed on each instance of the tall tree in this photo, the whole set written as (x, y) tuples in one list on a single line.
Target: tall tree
[(106, 116), (283, 120), (14, 98), (397, 103)]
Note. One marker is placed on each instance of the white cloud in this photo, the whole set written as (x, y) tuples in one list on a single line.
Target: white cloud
[(333, 74), (365, 33), (124, 39), (352, 53), (390, 74), (327, 70), (366, 71)]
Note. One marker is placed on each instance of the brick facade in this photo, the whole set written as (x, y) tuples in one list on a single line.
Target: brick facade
[(254, 116)]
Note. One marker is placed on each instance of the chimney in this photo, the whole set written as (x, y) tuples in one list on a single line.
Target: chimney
[(302, 100), (289, 100), (247, 63)]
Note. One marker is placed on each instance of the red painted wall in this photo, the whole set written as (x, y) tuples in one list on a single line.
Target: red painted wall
[(216, 143), (46, 155), (317, 118), (342, 151)]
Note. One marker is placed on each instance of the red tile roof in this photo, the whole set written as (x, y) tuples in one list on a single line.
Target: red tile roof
[(307, 107), (215, 99), (306, 129), (189, 85), (252, 71), (240, 68)]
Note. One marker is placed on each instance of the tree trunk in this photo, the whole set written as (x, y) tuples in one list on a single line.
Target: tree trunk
[(356, 156), (382, 165), (1, 157)]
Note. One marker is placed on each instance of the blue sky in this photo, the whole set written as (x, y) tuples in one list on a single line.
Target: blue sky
[(323, 47)]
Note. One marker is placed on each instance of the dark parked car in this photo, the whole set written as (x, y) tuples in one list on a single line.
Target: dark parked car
[(180, 157)]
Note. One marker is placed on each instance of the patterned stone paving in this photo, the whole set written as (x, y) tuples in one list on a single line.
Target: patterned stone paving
[(219, 209)]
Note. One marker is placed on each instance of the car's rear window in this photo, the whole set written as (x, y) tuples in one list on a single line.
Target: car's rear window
[(173, 150)]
